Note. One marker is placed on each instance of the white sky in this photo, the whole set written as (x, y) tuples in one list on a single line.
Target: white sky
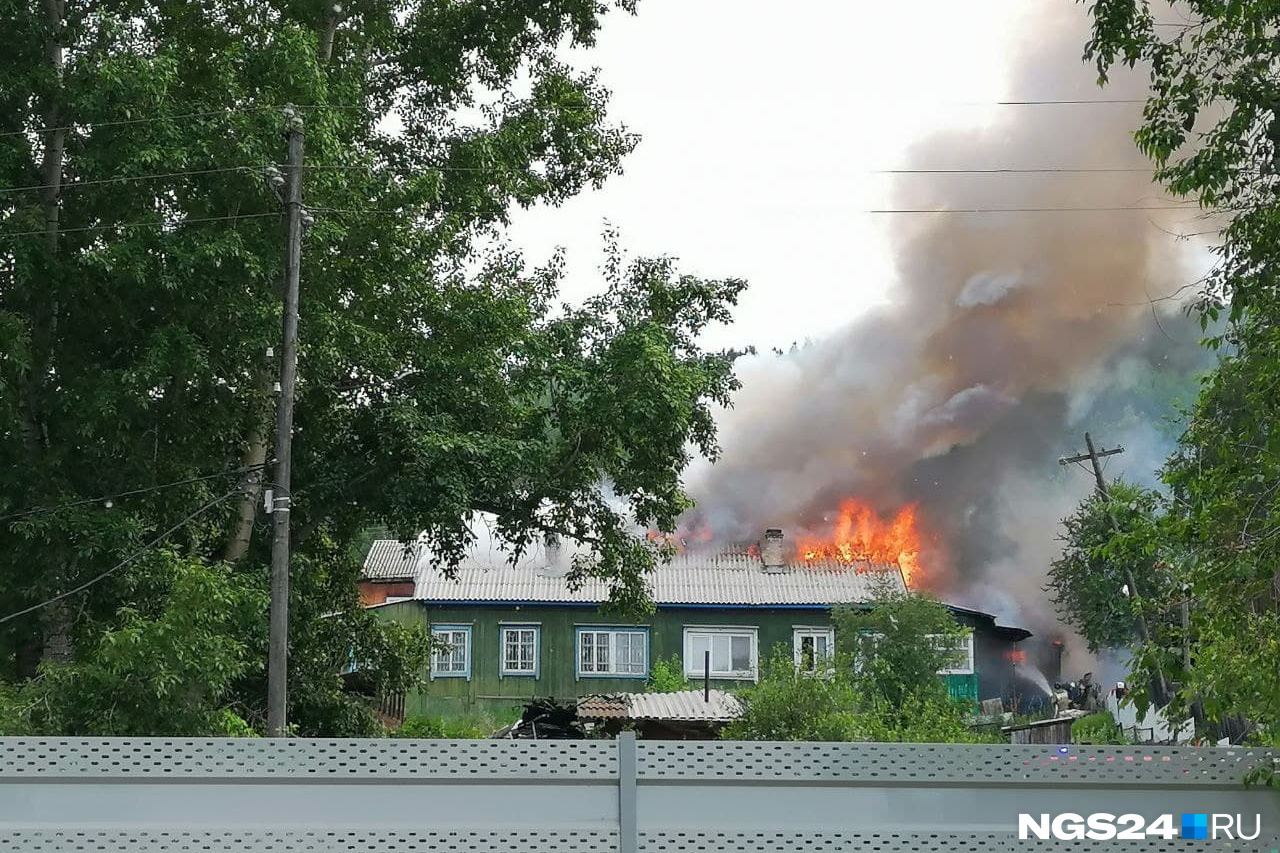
[(761, 125)]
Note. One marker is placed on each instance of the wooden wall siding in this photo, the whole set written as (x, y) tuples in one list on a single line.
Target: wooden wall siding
[(557, 678), (377, 592)]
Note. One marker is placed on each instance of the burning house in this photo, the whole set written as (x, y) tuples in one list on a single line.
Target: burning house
[(511, 632)]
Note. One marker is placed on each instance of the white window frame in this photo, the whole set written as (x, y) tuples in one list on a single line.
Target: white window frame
[(613, 632), (506, 672), (694, 669), (965, 642), (446, 632), (802, 632), (867, 643)]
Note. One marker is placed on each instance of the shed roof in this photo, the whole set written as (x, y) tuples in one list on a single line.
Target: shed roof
[(684, 706), (391, 560)]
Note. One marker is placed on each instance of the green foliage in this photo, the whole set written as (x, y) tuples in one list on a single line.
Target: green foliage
[(438, 374), (666, 675), (787, 704), (923, 717), (886, 689), (1099, 728), (1212, 127), (1088, 579), (897, 645), (168, 670), (421, 727), (456, 726)]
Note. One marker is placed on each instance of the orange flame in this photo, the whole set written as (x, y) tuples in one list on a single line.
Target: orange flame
[(1016, 656), (861, 534)]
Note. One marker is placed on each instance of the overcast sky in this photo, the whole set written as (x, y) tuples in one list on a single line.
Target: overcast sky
[(762, 125)]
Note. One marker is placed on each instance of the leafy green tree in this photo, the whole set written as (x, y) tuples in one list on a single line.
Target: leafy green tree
[(788, 704), (897, 646), (1089, 580), (1212, 127), (882, 683), (898, 643), (140, 263), (168, 667)]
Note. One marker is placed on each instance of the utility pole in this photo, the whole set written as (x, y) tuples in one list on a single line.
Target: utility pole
[(278, 651), (1095, 456)]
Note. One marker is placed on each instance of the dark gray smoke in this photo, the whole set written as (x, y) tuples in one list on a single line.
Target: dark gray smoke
[(1010, 334)]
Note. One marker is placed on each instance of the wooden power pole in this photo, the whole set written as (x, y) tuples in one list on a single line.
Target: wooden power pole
[(278, 651), (1095, 458)]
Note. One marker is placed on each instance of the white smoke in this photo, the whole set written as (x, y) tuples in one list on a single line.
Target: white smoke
[(1009, 335)]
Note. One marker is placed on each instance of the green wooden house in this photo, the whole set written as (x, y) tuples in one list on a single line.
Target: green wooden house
[(515, 632)]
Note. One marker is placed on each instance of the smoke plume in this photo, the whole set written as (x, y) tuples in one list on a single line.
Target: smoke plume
[(1009, 335)]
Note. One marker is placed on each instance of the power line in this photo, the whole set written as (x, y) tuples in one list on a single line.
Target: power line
[(126, 561), (1000, 171), (179, 174), (362, 108), (40, 510), (1024, 209), (180, 116), (455, 212), (123, 179), (147, 224), (1078, 102)]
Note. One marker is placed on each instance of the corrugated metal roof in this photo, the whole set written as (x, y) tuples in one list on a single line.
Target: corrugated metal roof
[(387, 560), (684, 706), (730, 578), (685, 580)]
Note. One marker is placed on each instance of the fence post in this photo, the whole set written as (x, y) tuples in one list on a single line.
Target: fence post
[(628, 835)]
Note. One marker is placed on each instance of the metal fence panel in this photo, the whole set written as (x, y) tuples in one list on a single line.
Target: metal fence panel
[(326, 796)]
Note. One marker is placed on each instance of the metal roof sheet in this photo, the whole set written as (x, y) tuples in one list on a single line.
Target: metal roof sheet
[(388, 560), (684, 706), (689, 579)]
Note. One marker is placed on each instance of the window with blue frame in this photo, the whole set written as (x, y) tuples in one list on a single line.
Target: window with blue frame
[(452, 655), (519, 650), (613, 652)]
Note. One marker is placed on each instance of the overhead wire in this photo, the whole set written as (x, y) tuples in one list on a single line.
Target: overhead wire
[(364, 108), (183, 116), (147, 224), (119, 179), (1026, 209), (208, 505), (41, 510), (1070, 170), (446, 212)]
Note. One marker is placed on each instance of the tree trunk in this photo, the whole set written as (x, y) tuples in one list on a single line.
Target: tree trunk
[(56, 622), (327, 34), (255, 454)]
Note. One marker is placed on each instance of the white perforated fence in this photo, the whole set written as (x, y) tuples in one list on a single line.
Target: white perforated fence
[(410, 796)]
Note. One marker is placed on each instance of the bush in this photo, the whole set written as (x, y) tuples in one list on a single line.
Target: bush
[(790, 705), (458, 726), (927, 717), (1097, 728), (420, 727), (667, 676)]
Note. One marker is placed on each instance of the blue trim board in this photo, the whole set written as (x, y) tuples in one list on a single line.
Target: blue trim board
[(578, 630), (502, 651), (470, 649)]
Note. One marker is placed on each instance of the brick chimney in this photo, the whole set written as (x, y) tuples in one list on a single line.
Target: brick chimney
[(772, 551)]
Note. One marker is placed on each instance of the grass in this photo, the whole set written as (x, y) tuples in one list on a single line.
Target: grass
[(456, 726)]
